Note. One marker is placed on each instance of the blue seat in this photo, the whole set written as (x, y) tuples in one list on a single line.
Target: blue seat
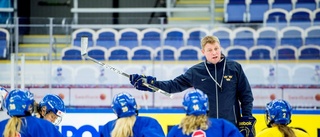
[(129, 37), (71, 53), (174, 37), (77, 34), (168, 53), (237, 53), (195, 35), (260, 53), (4, 42), (256, 9), (301, 18), (316, 15), (282, 4), (309, 52), (189, 53), (270, 18), (286, 52), (235, 11), (312, 36), (225, 36), (142, 53), (151, 37), (244, 36), (119, 53), (107, 37), (267, 36), (291, 36), (98, 53), (308, 4)]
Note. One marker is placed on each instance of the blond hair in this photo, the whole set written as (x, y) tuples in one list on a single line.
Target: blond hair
[(286, 131), (209, 39), (13, 127), (123, 127), (191, 123)]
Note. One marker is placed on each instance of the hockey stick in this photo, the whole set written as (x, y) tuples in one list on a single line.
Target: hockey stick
[(84, 46)]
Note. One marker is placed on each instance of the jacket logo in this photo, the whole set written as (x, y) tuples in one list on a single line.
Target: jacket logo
[(227, 77), (203, 79)]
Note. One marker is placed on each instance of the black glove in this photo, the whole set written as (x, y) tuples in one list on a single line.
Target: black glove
[(134, 78), (246, 126), (138, 80)]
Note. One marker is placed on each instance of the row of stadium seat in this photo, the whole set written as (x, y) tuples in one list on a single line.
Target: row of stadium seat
[(178, 37), (192, 53), (4, 42), (251, 10), (300, 17)]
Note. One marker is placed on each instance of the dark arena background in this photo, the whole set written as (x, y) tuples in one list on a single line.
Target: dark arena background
[(277, 42)]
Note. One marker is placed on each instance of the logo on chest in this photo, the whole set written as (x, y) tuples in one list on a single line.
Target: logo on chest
[(227, 77)]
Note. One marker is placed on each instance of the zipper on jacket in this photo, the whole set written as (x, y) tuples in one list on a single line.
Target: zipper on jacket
[(234, 113), (217, 100)]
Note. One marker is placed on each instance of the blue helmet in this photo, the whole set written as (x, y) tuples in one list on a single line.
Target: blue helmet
[(53, 103), (195, 103), (278, 112), (3, 94), (19, 103), (124, 105)]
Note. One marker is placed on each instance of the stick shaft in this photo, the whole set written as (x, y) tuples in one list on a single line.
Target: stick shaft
[(127, 75), (107, 66)]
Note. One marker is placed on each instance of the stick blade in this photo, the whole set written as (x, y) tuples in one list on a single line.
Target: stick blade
[(84, 45)]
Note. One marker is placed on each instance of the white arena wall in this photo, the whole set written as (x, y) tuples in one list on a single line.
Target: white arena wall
[(87, 73)]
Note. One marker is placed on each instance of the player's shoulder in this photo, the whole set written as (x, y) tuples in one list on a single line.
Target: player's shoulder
[(146, 118), (267, 132), (174, 131), (111, 123), (219, 121), (4, 122)]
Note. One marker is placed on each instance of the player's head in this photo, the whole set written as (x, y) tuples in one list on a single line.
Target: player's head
[(52, 108), (278, 112), (195, 102), (3, 94), (19, 103), (124, 105)]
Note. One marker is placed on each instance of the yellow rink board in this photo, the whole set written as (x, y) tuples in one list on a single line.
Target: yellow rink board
[(311, 123)]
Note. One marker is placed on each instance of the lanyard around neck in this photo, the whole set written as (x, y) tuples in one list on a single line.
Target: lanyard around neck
[(224, 67)]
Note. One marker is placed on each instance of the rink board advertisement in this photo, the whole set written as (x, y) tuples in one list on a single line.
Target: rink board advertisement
[(87, 123)]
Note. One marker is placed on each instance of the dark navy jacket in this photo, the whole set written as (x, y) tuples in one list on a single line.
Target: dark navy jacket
[(223, 102)]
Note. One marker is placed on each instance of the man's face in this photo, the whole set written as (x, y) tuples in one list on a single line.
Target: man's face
[(212, 52)]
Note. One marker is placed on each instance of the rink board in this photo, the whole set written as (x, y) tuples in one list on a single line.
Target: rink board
[(87, 123)]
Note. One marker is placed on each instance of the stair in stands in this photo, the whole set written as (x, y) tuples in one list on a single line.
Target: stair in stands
[(45, 39), (37, 47), (197, 17)]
